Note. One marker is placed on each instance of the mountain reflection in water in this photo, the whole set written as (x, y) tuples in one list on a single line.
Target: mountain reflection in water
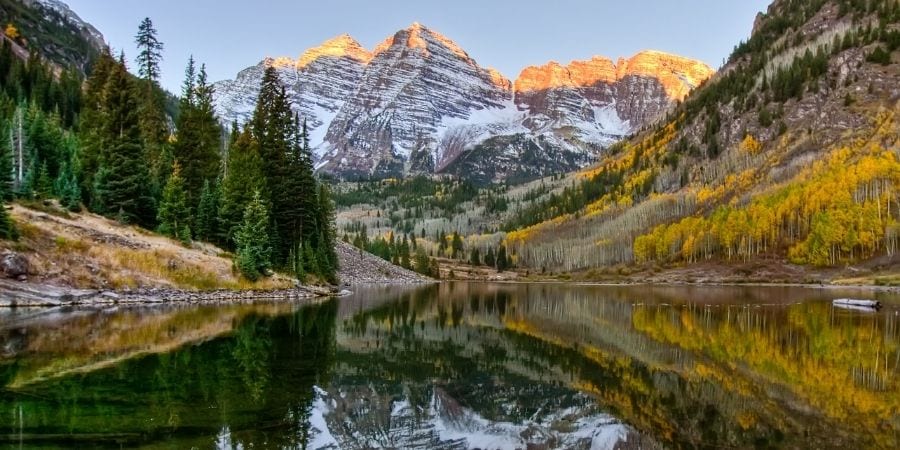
[(460, 365)]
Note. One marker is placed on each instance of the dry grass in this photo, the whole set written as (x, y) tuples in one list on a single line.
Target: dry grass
[(88, 251)]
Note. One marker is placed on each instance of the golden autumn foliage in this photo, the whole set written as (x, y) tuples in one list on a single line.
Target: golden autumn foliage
[(841, 370), (12, 32), (843, 208), (750, 145)]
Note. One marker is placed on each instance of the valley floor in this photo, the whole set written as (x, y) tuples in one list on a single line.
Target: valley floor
[(880, 272)]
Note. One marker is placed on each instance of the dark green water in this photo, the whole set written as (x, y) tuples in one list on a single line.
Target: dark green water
[(461, 366)]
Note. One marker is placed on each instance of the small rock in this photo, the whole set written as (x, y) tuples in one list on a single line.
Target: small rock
[(22, 278), (13, 265)]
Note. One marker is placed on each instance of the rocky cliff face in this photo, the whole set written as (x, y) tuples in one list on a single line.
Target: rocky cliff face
[(52, 29), (318, 83), (416, 82), (419, 103), (605, 98)]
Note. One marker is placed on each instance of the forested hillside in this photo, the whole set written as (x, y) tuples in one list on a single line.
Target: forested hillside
[(790, 151), (108, 144)]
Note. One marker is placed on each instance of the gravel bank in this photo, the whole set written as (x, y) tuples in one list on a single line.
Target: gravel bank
[(359, 267)]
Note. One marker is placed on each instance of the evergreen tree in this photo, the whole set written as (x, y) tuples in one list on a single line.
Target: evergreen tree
[(92, 132), (198, 138), (502, 261), (43, 188), (149, 50), (271, 127), (253, 251), (456, 245), (243, 178), (206, 224), (68, 189), (6, 165), (421, 264), (328, 235), (311, 260), (152, 116), (127, 185), (489, 258), (173, 208), (7, 228), (404, 253), (475, 257)]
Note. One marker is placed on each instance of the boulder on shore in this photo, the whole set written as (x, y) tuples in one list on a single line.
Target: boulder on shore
[(13, 265)]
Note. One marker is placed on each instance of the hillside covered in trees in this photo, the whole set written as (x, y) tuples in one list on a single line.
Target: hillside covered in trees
[(108, 144), (789, 152)]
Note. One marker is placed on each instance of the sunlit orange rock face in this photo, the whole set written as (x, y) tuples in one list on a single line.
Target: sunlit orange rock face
[(678, 75), (633, 91), (341, 46)]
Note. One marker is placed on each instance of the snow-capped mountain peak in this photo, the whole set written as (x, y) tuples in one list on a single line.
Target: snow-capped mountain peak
[(418, 102)]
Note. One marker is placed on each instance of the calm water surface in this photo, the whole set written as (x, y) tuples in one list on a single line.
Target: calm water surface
[(461, 366)]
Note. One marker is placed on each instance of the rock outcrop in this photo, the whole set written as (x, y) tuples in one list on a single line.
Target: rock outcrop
[(419, 103), (13, 265)]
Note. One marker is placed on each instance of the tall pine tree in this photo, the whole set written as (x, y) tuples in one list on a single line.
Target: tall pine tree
[(243, 177), (173, 208), (154, 129), (198, 140), (253, 251), (127, 190)]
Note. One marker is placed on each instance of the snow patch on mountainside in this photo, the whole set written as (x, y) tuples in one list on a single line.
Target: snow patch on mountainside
[(418, 102), (447, 424)]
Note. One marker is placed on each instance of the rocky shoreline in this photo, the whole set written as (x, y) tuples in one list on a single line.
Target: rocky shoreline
[(18, 294), (357, 268)]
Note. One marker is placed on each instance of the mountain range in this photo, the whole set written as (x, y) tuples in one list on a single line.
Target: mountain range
[(418, 103)]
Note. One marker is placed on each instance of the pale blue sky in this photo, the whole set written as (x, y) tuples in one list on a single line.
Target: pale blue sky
[(229, 35)]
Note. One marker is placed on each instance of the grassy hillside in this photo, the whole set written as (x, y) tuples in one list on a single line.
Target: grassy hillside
[(83, 250)]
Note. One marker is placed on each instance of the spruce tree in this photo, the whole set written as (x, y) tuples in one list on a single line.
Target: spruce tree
[(127, 185), (421, 264), (243, 178), (475, 257), (68, 189), (152, 116), (456, 245), (206, 224), (253, 251), (198, 138), (6, 165), (328, 234), (173, 208), (489, 258), (43, 187), (149, 50), (271, 127), (92, 133), (7, 228), (502, 261)]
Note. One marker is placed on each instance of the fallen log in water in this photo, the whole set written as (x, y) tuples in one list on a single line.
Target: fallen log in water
[(855, 303)]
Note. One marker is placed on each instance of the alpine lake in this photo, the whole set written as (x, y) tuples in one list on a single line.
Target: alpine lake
[(461, 365)]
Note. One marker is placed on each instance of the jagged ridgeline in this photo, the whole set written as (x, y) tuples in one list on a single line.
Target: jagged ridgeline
[(419, 104), (791, 150)]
